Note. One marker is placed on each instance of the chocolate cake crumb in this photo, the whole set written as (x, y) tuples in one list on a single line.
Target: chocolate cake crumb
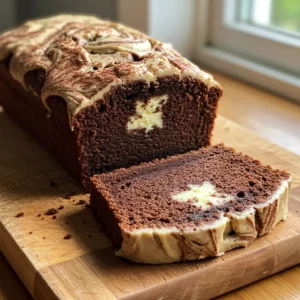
[(44, 238), (61, 207), (67, 236), (19, 215), (30, 232), (39, 215), (67, 223), (42, 219), (53, 183), (90, 236), (51, 211), (54, 217), (81, 202)]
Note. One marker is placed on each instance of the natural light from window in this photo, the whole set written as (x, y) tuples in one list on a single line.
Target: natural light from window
[(279, 15), (254, 40)]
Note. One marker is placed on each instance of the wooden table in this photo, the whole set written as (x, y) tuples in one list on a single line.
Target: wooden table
[(262, 113)]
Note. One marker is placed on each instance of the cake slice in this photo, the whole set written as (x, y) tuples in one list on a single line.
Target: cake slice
[(190, 206)]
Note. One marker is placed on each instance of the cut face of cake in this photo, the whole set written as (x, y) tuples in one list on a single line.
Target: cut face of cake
[(190, 206)]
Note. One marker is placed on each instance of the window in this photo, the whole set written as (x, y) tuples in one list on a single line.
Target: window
[(282, 16), (256, 40)]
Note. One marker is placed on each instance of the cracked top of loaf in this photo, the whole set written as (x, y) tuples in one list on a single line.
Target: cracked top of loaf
[(83, 57)]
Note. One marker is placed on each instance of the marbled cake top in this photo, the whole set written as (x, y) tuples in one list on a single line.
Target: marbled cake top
[(83, 57)]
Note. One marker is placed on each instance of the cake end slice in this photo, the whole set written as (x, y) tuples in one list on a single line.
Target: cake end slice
[(191, 206)]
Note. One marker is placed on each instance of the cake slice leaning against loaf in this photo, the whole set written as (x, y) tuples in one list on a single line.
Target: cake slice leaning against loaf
[(190, 206), (100, 96)]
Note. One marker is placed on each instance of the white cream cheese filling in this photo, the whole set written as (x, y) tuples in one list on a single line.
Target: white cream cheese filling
[(148, 115), (204, 195)]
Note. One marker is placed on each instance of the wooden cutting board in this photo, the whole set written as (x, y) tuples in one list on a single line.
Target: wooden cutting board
[(84, 266)]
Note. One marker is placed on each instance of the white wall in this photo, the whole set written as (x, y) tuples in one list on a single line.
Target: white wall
[(172, 21)]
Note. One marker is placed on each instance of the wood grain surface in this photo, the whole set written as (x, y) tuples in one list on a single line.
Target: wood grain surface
[(85, 266)]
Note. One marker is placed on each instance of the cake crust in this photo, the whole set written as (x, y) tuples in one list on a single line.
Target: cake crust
[(142, 212)]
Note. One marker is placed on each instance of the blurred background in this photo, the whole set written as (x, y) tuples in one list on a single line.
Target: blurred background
[(256, 42), (280, 14), (14, 12)]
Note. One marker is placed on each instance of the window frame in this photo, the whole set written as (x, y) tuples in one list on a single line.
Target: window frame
[(217, 31)]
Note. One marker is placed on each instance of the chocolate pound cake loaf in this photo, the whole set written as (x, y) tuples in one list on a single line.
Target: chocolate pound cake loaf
[(190, 206), (100, 96)]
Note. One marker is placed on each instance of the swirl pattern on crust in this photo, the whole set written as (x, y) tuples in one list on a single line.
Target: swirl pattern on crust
[(83, 57)]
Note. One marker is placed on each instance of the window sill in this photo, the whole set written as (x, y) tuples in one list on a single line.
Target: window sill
[(277, 81)]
